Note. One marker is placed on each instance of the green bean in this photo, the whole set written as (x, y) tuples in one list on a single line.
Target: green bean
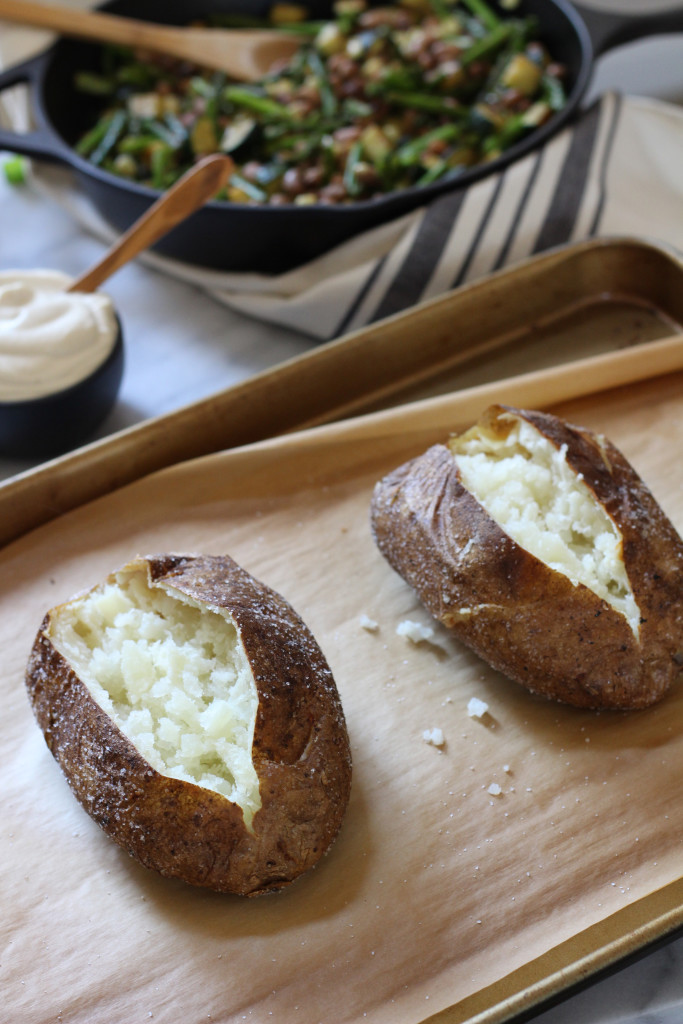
[(89, 142), (425, 101), (352, 186), (176, 127), (267, 174), (401, 79), (161, 131), (160, 162), (299, 146), (489, 43), (433, 173), (410, 152), (249, 189), (199, 86), (355, 106), (328, 99), (553, 92), (93, 84), (110, 137), (134, 144), (278, 129), (513, 128), (441, 8), (481, 10), (353, 110), (141, 76), (242, 97)]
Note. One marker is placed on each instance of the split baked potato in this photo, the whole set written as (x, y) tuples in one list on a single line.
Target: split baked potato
[(537, 544), (196, 720)]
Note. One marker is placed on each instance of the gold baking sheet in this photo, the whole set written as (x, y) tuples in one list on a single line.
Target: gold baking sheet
[(599, 297), (438, 901)]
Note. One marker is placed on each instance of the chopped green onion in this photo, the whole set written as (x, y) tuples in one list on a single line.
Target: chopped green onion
[(16, 170)]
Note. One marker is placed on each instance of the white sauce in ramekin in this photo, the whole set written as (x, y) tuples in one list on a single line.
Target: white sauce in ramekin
[(50, 339)]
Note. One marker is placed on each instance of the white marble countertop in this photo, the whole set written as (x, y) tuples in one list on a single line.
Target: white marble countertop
[(182, 345)]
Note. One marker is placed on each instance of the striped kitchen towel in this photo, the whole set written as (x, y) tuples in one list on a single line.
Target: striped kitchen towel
[(615, 171)]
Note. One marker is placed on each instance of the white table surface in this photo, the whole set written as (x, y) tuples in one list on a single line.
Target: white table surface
[(182, 346)]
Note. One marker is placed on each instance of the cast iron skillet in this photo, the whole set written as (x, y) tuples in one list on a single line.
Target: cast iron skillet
[(234, 237)]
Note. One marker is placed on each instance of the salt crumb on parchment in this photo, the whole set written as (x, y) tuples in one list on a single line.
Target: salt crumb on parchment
[(477, 708), (414, 631), (434, 737)]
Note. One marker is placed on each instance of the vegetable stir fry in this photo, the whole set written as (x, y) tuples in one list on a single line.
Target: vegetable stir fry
[(379, 98)]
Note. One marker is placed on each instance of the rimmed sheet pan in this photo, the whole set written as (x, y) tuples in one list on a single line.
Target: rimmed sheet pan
[(597, 297), (439, 901)]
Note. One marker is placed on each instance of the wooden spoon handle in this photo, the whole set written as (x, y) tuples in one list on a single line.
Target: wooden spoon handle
[(244, 54), (71, 21), (190, 192)]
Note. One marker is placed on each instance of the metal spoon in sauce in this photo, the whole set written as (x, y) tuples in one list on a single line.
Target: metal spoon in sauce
[(244, 54), (189, 193)]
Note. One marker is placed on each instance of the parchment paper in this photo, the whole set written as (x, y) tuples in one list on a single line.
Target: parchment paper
[(436, 890)]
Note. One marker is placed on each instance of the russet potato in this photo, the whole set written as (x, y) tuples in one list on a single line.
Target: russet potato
[(538, 545), (196, 720)]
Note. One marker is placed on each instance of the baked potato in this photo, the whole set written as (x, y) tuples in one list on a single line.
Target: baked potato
[(196, 720), (538, 545)]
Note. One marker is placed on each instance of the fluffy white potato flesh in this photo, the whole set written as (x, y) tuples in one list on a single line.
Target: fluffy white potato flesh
[(174, 677), (525, 484)]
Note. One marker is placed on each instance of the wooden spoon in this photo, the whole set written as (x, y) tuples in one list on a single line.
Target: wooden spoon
[(190, 192), (244, 54)]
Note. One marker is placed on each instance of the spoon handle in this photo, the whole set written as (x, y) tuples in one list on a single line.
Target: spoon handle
[(72, 21), (244, 54), (190, 192)]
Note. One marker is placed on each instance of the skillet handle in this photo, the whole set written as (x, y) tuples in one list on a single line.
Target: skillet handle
[(40, 142), (609, 29)]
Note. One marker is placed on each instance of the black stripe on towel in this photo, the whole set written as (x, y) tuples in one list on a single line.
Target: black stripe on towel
[(502, 257), (474, 244), (604, 163), (423, 256), (348, 316), (571, 183)]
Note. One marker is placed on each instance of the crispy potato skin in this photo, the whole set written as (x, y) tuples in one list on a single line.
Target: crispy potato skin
[(300, 749), (525, 619)]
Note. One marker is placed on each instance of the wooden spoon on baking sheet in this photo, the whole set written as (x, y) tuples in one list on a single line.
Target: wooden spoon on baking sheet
[(244, 54), (189, 193)]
